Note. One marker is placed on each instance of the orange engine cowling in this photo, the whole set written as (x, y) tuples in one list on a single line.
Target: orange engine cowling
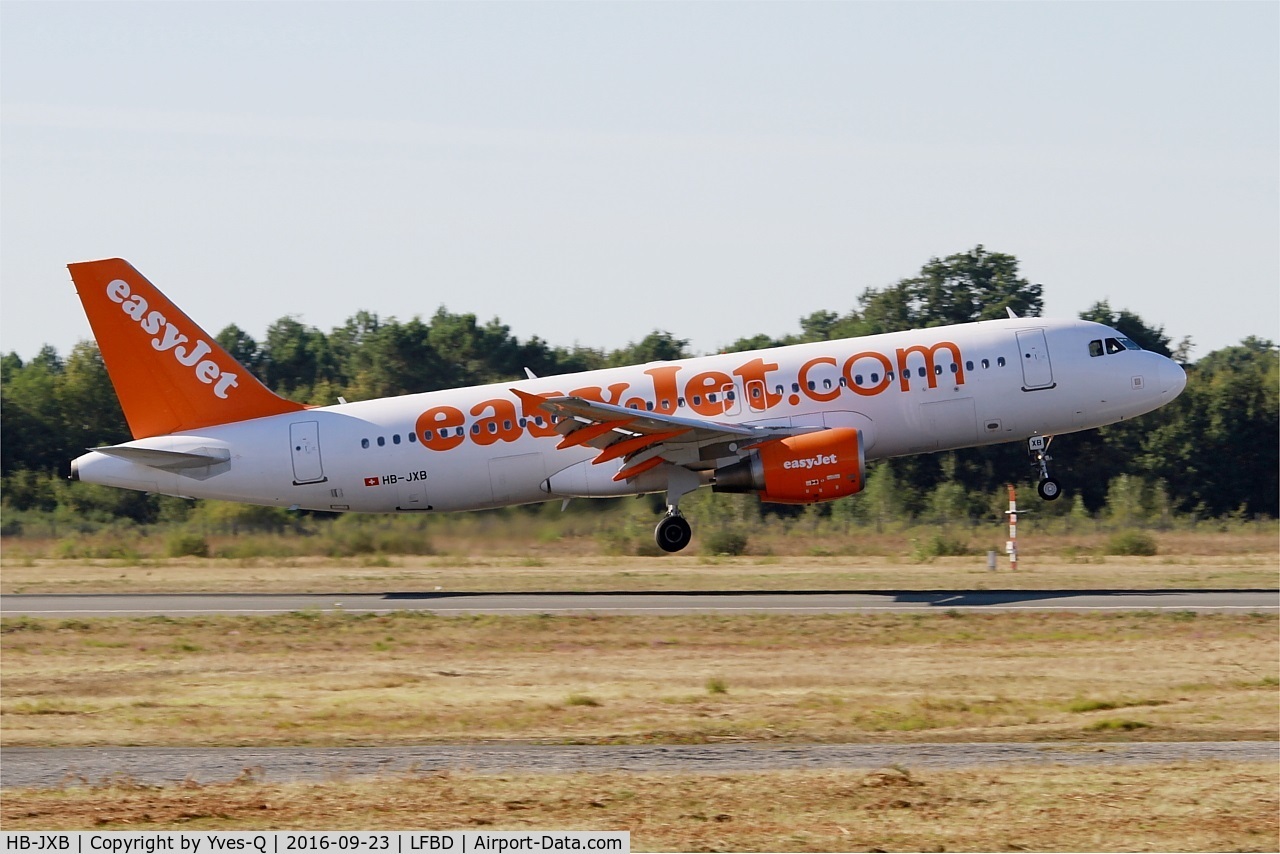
[(801, 469)]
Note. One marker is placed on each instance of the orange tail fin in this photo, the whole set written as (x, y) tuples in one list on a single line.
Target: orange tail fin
[(169, 374)]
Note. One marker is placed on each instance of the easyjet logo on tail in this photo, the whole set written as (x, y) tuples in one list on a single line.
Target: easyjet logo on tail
[(171, 340)]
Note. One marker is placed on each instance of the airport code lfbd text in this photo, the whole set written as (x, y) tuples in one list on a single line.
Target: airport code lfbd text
[(284, 842)]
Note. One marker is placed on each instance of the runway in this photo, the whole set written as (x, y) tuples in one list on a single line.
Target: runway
[(446, 603), (48, 767)]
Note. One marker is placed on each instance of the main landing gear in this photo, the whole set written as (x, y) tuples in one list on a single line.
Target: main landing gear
[(673, 532), (1038, 448)]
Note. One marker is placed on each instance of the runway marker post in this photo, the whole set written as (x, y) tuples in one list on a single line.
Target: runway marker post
[(1012, 546)]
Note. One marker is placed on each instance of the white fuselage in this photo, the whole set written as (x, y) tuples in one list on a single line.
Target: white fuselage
[(471, 448)]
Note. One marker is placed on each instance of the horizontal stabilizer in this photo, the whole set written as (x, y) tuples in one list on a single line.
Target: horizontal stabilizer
[(198, 463)]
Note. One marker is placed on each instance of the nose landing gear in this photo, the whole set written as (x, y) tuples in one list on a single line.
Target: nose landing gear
[(1038, 448)]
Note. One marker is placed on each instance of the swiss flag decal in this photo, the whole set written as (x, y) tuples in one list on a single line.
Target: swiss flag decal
[(371, 481)]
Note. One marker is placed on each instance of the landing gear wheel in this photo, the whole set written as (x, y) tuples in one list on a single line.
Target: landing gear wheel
[(673, 533), (1038, 447)]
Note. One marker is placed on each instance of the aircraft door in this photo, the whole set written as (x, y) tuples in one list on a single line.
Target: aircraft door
[(304, 446), (1037, 372), (731, 399)]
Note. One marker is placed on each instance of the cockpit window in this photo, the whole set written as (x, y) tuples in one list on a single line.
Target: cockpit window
[(1112, 345)]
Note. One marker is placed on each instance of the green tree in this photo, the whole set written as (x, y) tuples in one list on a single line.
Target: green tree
[(242, 348), (657, 346), (91, 414), (973, 285), (33, 414), (1216, 445), (295, 358)]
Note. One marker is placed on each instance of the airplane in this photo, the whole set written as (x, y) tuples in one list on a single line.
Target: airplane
[(795, 424)]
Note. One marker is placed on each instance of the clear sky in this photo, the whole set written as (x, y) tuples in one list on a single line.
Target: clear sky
[(590, 172)]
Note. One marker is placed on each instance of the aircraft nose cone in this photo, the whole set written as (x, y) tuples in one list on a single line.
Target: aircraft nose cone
[(1173, 379)]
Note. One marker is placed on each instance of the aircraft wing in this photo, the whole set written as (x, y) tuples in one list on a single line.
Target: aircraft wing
[(645, 439)]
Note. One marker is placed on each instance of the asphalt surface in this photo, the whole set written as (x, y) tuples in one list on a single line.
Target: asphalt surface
[(791, 602), (43, 767)]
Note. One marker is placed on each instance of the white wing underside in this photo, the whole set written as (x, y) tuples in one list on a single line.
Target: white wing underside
[(644, 439)]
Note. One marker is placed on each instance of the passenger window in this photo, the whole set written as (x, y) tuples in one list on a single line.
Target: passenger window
[(1095, 347), (986, 363), (475, 429), (395, 438), (382, 441), (364, 443), (413, 437), (875, 378), (1000, 362), (922, 371), (857, 380), (968, 365)]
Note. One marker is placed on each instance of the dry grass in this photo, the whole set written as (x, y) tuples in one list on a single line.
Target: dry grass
[(338, 679), (1181, 807), (562, 573)]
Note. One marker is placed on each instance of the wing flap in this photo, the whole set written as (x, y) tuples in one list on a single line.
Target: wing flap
[(644, 439)]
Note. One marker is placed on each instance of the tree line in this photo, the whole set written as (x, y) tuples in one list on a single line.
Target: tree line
[(1211, 452)]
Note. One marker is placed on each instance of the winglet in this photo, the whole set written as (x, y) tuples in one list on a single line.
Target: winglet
[(530, 403), (169, 374)]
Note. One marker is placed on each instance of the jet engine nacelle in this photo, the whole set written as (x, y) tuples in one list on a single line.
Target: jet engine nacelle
[(804, 469)]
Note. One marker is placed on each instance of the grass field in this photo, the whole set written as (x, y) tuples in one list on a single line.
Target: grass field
[(333, 679), (1180, 807), (863, 560), (340, 679), (565, 573)]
